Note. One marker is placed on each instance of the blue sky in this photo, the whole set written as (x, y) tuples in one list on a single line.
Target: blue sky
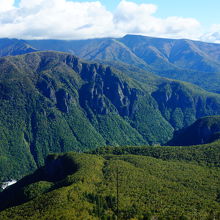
[(195, 19), (207, 12)]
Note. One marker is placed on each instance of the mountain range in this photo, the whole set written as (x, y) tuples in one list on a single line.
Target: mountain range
[(181, 59)]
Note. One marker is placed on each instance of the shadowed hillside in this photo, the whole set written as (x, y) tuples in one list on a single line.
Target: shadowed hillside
[(203, 131)]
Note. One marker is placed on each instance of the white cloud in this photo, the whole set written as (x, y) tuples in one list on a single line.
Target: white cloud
[(62, 19), (139, 19), (56, 19), (6, 5), (127, 11), (213, 34), (130, 17), (179, 27), (30, 3)]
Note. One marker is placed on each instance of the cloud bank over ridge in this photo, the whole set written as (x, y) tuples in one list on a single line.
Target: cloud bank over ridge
[(62, 19)]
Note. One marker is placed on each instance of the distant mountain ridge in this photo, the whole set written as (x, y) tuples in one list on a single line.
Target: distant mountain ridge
[(12, 47), (182, 59)]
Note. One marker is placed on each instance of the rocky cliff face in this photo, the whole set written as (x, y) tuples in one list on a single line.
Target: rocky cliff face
[(103, 88)]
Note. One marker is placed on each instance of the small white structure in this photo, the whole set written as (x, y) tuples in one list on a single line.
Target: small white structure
[(9, 183)]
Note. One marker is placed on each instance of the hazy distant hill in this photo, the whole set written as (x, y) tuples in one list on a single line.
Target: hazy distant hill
[(165, 54), (54, 102), (192, 61)]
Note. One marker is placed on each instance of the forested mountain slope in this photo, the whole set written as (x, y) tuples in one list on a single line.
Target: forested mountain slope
[(54, 102)]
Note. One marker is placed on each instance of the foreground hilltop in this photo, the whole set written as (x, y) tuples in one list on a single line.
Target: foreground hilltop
[(54, 102), (120, 182)]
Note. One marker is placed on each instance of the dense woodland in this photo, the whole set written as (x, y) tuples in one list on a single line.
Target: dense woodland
[(120, 182)]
